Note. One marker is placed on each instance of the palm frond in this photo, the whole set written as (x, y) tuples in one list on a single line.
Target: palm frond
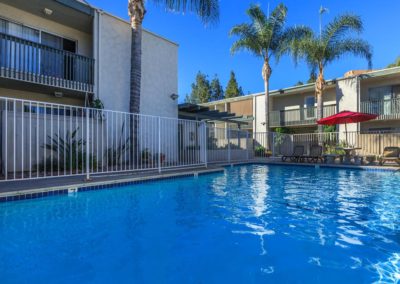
[(207, 10), (275, 25), (352, 46), (248, 39), (340, 27), (291, 39)]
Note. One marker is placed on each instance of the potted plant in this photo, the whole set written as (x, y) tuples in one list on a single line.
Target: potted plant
[(146, 156)]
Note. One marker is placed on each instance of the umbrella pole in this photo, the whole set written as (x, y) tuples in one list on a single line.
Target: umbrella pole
[(347, 139)]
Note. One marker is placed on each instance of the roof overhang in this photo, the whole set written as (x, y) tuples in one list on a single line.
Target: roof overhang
[(203, 113)]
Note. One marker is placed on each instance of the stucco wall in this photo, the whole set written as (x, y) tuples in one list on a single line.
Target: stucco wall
[(159, 69), (347, 99), (159, 76), (43, 24), (259, 114)]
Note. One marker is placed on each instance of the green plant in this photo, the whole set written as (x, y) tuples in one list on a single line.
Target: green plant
[(329, 128), (97, 103), (146, 155), (259, 151), (68, 153), (115, 153)]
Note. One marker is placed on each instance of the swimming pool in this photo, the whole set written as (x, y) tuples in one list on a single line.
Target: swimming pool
[(251, 224)]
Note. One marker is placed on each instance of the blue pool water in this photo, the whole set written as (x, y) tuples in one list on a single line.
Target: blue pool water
[(251, 224)]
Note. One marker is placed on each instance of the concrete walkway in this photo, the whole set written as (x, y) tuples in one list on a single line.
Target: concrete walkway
[(14, 187)]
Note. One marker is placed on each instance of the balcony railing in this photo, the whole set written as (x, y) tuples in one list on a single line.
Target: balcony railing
[(386, 109), (298, 117), (33, 62)]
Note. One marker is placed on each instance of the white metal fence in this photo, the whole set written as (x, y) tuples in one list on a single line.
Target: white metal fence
[(228, 145), (46, 140), (367, 143), (40, 140)]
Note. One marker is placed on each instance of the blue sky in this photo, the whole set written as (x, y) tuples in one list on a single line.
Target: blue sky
[(207, 49)]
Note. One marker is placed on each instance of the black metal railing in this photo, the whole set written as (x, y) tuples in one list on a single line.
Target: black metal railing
[(30, 61)]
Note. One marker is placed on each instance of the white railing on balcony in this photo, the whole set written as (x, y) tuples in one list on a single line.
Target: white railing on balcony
[(302, 116), (386, 109), (41, 140), (25, 60)]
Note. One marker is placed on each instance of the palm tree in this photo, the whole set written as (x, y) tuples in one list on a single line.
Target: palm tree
[(331, 44), (207, 10), (266, 37)]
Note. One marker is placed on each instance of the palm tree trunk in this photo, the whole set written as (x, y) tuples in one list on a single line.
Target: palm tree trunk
[(266, 74), (136, 12), (319, 89)]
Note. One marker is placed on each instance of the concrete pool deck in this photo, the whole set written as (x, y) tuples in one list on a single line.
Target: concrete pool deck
[(23, 187), (62, 185)]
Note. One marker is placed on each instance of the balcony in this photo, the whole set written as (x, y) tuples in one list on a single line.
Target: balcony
[(32, 62), (298, 117), (386, 109)]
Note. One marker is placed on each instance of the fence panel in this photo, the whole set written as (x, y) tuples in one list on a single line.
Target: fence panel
[(40, 140)]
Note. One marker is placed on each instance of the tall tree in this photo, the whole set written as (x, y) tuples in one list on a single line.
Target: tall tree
[(207, 10), (266, 37), (217, 91), (232, 89), (201, 90), (396, 63), (332, 43)]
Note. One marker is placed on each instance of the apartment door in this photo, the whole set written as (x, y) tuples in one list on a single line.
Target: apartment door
[(54, 62)]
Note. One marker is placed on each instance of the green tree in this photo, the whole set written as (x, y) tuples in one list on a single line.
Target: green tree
[(232, 89), (333, 43), (396, 63), (201, 90), (266, 37), (217, 91)]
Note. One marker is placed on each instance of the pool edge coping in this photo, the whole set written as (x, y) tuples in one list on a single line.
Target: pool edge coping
[(87, 186)]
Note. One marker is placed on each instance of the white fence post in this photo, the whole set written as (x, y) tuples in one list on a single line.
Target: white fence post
[(247, 145), (229, 144), (87, 146), (205, 144), (273, 144), (159, 144)]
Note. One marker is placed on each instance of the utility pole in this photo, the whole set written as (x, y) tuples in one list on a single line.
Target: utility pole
[(322, 10)]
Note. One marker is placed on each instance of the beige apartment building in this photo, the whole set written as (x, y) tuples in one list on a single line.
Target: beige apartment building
[(69, 52), (375, 92)]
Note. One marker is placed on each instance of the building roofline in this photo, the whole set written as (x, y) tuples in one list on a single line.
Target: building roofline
[(310, 86)]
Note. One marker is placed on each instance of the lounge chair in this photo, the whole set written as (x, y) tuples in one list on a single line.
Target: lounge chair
[(297, 155), (390, 154), (315, 154)]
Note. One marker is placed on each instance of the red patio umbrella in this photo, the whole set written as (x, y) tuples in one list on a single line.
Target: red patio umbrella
[(345, 117)]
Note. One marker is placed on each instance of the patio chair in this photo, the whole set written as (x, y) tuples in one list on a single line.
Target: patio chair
[(315, 154), (390, 154), (297, 154)]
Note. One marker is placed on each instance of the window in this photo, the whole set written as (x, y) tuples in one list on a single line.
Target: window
[(18, 55), (309, 107), (381, 99), (24, 56)]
